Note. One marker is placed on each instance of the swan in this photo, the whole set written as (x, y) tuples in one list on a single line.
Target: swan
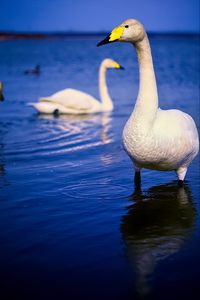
[(1, 91), (71, 101), (164, 140)]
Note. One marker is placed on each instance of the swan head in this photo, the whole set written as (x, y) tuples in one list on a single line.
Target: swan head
[(128, 31), (109, 63), (1, 91)]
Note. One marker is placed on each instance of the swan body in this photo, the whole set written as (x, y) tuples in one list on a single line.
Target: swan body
[(71, 101), (155, 139), (68, 101), (1, 91), (162, 148)]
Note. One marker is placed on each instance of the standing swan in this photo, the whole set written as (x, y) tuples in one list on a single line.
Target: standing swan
[(155, 139), (70, 101), (1, 91)]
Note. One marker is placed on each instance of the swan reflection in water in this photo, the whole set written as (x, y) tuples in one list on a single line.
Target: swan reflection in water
[(79, 131), (155, 227)]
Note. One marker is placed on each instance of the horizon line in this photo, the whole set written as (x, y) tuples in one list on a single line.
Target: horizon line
[(50, 32)]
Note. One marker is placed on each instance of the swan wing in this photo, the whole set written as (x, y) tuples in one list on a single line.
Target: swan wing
[(175, 127), (47, 107), (73, 99)]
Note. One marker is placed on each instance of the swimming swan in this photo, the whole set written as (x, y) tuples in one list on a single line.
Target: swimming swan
[(71, 101), (153, 138), (1, 91)]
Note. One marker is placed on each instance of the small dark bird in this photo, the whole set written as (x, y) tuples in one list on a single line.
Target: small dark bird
[(1, 91), (35, 71)]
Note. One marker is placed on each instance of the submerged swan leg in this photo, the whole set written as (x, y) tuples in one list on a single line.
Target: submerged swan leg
[(181, 172), (137, 180)]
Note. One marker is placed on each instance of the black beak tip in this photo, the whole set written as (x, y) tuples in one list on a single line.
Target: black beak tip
[(104, 41), (122, 68), (99, 44)]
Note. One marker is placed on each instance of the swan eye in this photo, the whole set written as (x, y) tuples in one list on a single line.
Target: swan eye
[(126, 26)]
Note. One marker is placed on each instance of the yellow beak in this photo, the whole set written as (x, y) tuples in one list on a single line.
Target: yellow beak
[(114, 36)]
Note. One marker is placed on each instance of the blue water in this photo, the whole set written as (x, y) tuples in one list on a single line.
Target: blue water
[(71, 226)]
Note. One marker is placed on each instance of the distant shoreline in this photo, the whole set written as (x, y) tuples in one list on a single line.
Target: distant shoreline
[(38, 35), (65, 35)]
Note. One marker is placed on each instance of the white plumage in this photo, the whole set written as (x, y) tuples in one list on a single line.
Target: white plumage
[(71, 101), (154, 138)]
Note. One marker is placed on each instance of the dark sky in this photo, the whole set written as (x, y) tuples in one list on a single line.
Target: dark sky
[(92, 15)]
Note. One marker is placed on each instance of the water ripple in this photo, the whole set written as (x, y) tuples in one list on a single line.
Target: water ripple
[(65, 134), (81, 190)]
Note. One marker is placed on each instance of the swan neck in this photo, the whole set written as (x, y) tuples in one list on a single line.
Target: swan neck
[(103, 90), (147, 99)]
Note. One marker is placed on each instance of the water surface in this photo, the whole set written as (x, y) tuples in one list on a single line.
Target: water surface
[(71, 225)]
